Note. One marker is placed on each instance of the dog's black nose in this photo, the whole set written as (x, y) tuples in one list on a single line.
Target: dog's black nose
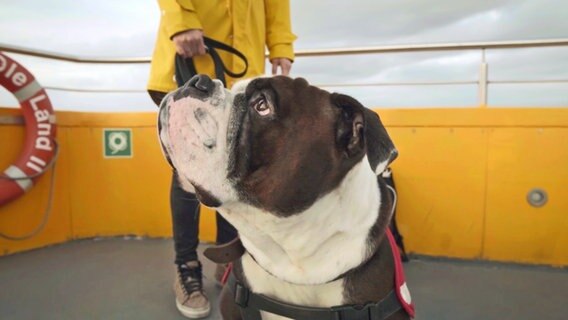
[(202, 83)]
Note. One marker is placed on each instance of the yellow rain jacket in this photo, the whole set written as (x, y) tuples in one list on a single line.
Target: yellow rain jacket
[(247, 25)]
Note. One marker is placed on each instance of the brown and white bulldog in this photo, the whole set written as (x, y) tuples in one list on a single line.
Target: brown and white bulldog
[(294, 168)]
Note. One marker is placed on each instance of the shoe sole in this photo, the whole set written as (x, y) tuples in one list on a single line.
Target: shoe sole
[(193, 313)]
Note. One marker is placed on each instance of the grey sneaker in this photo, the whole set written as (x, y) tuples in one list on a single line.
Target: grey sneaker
[(191, 300)]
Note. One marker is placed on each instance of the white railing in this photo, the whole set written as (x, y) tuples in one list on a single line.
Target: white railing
[(482, 81)]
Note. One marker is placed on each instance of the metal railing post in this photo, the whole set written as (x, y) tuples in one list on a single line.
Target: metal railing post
[(483, 81)]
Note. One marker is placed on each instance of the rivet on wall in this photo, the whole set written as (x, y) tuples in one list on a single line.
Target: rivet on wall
[(537, 197)]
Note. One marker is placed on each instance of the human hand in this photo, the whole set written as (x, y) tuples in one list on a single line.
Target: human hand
[(189, 43), (284, 64)]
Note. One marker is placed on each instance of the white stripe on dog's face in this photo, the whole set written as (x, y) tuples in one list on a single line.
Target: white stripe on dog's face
[(195, 133)]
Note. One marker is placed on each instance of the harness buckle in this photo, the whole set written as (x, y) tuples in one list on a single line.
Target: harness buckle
[(241, 295), (365, 312)]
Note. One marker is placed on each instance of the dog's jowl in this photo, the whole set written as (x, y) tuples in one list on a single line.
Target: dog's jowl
[(296, 170)]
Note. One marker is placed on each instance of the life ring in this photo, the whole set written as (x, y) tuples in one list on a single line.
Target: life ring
[(40, 147)]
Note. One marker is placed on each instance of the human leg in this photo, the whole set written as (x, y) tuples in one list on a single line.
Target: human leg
[(191, 300)]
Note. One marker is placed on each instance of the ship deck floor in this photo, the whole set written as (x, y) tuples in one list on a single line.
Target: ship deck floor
[(132, 279)]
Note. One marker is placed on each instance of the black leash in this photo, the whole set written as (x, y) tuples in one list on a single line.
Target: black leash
[(185, 68), (251, 304)]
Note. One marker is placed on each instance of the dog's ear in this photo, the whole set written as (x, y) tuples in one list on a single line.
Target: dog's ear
[(380, 148), (360, 129), (350, 128)]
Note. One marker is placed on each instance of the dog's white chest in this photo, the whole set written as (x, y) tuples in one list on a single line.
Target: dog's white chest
[(323, 295)]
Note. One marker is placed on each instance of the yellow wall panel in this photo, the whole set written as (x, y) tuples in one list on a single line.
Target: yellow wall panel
[(94, 196), (117, 196), (520, 160), (207, 225), (462, 178), (24, 214), (440, 181), (114, 196)]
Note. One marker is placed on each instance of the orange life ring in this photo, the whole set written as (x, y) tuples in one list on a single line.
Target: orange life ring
[(40, 145)]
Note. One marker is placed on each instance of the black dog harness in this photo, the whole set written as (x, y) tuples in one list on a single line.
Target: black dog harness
[(251, 304)]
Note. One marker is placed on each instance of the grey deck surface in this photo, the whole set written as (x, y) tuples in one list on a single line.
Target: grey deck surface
[(132, 279)]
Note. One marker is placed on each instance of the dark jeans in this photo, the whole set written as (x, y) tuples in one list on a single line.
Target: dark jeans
[(185, 216), (185, 220)]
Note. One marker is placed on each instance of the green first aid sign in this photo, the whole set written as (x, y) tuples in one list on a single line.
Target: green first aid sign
[(117, 143)]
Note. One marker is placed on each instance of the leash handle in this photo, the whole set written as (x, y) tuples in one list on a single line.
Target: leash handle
[(185, 68)]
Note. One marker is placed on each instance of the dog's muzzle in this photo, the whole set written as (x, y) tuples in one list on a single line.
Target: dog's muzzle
[(199, 87)]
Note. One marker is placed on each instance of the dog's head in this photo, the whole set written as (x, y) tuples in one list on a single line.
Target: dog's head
[(275, 143)]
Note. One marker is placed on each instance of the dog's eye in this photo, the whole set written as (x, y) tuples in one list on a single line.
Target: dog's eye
[(261, 106)]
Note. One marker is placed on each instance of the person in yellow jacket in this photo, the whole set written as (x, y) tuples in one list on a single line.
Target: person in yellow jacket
[(250, 26)]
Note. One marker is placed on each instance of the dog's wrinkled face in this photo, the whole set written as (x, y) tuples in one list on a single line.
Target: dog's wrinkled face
[(275, 143)]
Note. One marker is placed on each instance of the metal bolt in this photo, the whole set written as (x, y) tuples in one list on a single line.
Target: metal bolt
[(537, 197)]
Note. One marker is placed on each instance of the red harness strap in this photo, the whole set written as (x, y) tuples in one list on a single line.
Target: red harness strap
[(400, 286), (227, 273)]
